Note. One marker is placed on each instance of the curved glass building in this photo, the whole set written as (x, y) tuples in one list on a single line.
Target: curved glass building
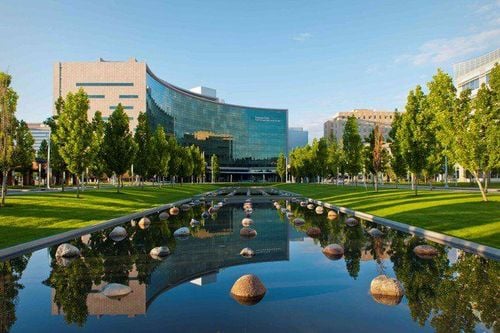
[(247, 140)]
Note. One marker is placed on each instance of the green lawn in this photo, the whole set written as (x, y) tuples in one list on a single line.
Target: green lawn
[(32, 216), (460, 214)]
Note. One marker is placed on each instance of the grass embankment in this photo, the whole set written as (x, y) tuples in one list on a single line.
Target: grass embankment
[(32, 216), (460, 214)]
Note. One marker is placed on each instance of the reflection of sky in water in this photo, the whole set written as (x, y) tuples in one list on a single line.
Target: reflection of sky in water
[(306, 290)]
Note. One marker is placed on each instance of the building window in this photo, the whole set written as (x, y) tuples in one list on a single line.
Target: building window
[(104, 84), (129, 96), (95, 96), (125, 107), (474, 84)]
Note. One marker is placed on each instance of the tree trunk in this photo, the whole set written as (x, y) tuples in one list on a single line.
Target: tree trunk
[(4, 186), (375, 179), (415, 183), (77, 187), (63, 181), (98, 184), (486, 179), (118, 187), (481, 188)]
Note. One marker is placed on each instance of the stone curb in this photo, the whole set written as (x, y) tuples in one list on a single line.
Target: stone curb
[(468, 246), (23, 248)]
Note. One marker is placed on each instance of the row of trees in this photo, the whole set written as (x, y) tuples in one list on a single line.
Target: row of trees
[(16, 141), (105, 148), (436, 125)]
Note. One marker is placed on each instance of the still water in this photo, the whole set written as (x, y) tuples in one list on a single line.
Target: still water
[(188, 291)]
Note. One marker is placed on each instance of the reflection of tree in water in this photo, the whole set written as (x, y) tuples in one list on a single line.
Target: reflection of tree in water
[(469, 294), (420, 277), (10, 273), (453, 298), (354, 242), (377, 246), (71, 283)]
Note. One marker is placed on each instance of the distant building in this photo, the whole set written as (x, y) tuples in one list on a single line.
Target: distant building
[(297, 137), (366, 122), (472, 73), (40, 132)]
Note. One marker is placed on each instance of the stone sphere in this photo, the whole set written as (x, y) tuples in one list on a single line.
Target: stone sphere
[(194, 223), (144, 223), (278, 207), (205, 215), (299, 221), (289, 215), (332, 215), (310, 206), (185, 207), (246, 222), (248, 211), (319, 210), (247, 205), (174, 211), (351, 222), (247, 252), (383, 285), (425, 251), (163, 216), (118, 234), (303, 204), (159, 252), (67, 251), (313, 232), (116, 290), (212, 210), (333, 251), (248, 290), (248, 232), (374, 232), (182, 232)]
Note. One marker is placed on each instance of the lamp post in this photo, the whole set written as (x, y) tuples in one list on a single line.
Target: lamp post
[(445, 172), (48, 163)]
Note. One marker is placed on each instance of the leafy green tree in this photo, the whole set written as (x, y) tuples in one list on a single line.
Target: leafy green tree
[(319, 152), (57, 164), (281, 166), (334, 159), (414, 137), (144, 156), (119, 147), (74, 134), (8, 105), (214, 163), (98, 165), (160, 157), (186, 166), (174, 164), (352, 146), (397, 162), (43, 151), (375, 155), (198, 162), (24, 154)]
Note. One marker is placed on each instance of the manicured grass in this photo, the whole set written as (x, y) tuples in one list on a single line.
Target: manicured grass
[(32, 216), (460, 214)]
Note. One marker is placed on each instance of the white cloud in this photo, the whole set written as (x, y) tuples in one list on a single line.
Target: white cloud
[(441, 50), (302, 37)]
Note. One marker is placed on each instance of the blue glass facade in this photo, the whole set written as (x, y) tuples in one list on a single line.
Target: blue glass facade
[(240, 136)]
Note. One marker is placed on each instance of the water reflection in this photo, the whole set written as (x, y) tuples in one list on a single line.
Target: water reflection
[(447, 295)]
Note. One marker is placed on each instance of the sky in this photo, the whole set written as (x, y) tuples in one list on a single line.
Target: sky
[(314, 58)]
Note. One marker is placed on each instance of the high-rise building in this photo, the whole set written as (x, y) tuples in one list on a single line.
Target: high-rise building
[(246, 139), (367, 119), (472, 73), (297, 137), (40, 132)]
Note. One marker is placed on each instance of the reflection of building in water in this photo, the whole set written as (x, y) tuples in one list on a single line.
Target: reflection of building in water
[(212, 144), (203, 257), (98, 305)]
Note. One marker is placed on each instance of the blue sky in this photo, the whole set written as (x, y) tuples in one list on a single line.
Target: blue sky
[(315, 58)]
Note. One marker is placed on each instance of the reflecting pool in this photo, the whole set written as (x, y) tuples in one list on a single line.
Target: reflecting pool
[(307, 291)]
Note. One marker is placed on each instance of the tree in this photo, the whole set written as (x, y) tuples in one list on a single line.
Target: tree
[(8, 105), (74, 134), (175, 161), (214, 164), (144, 155), (43, 151), (119, 147), (24, 154), (198, 161), (281, 166), (352, 146), (98, 160), (319, 155), (413, 134), (57, 164), (379, 154), (186, 166), (334, 158), (397, 162)]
